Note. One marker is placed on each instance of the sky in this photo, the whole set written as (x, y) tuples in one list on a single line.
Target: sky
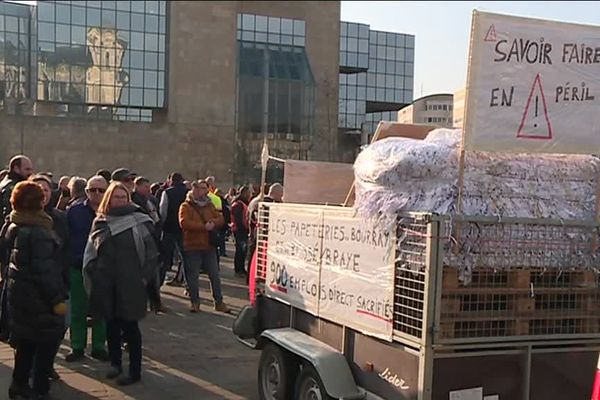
[(442, 30)]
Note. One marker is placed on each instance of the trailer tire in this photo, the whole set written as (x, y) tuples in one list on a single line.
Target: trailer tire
[(309, 385), (276, 373)]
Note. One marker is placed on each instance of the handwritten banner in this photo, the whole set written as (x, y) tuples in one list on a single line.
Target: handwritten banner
[(532, 86), (333, 265)]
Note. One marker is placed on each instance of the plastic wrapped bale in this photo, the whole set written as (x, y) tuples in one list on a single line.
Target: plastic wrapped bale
[(397, 174)]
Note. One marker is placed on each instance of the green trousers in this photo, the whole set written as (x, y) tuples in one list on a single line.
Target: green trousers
[(79, 308)]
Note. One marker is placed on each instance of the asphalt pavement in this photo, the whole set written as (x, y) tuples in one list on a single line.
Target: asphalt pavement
[(186, 356)]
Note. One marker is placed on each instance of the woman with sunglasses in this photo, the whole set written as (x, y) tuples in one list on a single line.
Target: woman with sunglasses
[(121, 257), (80, 218)]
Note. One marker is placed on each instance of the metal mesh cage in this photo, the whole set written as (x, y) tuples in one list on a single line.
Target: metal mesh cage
[(519, 278), (409, 284)]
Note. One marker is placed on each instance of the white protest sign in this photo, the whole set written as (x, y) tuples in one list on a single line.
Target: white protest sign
[(533, 86), (357, 275), (334, 265), (294, 245)]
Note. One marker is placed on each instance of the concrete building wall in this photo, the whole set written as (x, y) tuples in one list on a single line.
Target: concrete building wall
[(428, 110), (459, 108), (196, 134)]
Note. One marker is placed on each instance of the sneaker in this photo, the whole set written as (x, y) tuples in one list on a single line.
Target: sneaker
[(100, 355), (127, 380), (114, 372), (75, 355), (195, 308), (53, 375), (161, 310), (175, 283), (15, 390), (222, 307)]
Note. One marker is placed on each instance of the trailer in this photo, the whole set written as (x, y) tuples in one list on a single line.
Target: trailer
[(425, 307)]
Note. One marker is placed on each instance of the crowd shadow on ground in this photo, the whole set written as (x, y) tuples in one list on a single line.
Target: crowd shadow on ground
[(186, 356), (60, 390)]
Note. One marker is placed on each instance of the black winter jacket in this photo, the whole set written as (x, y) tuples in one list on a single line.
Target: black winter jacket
[(118, 279), (35, 284)]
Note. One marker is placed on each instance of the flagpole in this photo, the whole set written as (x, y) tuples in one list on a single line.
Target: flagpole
[(264, 160)]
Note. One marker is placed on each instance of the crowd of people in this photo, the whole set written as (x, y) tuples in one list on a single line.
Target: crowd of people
[(96, 252)]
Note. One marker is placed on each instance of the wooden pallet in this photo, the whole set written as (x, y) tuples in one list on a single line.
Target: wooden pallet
[(519, 302)]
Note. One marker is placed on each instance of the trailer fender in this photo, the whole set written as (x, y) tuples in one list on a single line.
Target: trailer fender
[(330, 364)]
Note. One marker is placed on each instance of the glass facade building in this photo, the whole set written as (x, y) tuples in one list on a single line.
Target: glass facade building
[(376, 76), (103, 59), (16, 61), (275, 84)]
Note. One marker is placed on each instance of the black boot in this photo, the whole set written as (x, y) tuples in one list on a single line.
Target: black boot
[(15, 390), (114, 372)]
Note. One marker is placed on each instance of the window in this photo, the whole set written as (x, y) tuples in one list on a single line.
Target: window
[(273, 30), (114, 54)]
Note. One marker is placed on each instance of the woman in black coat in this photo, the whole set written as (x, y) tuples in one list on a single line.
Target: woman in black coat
[(121, 257), (36, 291), (61, 228)]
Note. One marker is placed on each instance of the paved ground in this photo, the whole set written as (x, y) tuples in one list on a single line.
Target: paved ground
[(186, 356)]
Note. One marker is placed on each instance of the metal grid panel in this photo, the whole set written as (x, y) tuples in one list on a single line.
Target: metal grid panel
[(261, 246), (517, 279), (409, 285)]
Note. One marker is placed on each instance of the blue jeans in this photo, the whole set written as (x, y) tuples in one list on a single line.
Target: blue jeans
[(207, 260)]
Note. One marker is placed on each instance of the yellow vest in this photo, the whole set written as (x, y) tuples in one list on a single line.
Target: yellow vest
[(216, 200)]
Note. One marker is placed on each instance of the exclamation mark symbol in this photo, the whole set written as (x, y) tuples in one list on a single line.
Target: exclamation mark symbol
[(537, 99)]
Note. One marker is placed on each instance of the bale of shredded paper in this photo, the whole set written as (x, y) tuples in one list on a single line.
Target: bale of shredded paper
[(397, 174)]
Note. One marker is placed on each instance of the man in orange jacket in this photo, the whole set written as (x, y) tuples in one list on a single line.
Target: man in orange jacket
[(199, 221)]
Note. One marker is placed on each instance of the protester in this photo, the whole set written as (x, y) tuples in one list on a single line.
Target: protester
[(148, 204), (231, 194), (275, 195), (105, 174), (20, 168), (154, 189), (224, 231), (120, 258), (76, 186), (36, 291), (61, 229), (199, 220), (62, 191), (240, 229), (218, 203), (124, 176), (172, 237), (80, 218)]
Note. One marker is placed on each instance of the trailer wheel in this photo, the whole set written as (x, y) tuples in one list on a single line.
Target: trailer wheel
[(309, 386), (275, 373)]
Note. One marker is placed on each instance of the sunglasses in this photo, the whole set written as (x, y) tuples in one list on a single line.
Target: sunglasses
[(96, 190)]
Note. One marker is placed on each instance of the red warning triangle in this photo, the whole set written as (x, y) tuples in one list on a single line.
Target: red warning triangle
[(535, 123), (490, 36)]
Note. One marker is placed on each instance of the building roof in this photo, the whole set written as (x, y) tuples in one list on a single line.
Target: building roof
[(432, 95)]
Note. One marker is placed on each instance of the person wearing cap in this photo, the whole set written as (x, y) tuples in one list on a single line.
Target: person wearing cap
[(105, 174), (124, 176)]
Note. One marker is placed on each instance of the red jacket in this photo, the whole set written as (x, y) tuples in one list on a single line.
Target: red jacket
[(239, 218)]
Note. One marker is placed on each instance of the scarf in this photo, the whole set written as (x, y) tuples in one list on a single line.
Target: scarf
[(113, 226), (202, 202), (38, 218)]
